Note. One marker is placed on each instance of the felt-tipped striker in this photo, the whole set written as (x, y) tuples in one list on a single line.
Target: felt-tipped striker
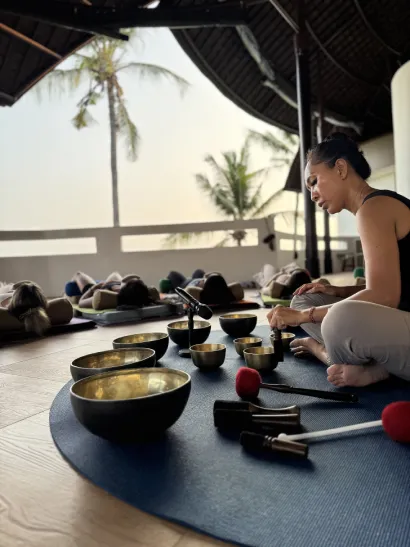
[(395, 422), (248, 382)]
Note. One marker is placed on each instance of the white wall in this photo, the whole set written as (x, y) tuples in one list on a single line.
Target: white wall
[(236, 263), (400, 88)]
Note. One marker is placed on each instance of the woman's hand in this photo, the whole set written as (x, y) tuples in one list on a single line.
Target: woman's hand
[(310, 288), (281, 317)]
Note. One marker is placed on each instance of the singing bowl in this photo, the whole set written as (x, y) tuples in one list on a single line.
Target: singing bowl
[(244, 343), (104, 361), (131, 405), (208, 356), (238, 324), (262, 359), (287, 338), (158, 341), (178, 332)]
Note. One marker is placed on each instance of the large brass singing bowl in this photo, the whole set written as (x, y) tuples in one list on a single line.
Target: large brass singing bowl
[(131, 405), (238, 325), (178, 332), (208, 356), (158, 341), (104, 361), (262, 359), (245, 343), (287, 338)]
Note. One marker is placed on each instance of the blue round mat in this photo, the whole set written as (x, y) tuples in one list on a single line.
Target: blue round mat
[(353, 491)]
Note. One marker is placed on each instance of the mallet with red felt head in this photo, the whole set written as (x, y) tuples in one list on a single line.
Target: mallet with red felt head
[(395, 422), (249, 381)]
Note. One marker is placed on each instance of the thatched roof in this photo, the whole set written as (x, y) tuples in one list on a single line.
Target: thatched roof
[(361, 43)]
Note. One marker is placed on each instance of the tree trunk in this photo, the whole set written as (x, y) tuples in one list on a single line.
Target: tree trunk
[(295, 228), (114, 169)]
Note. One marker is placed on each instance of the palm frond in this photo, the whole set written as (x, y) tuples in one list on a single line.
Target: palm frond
[(83, 118), (222, 178), (262, 208), (155, 72), (270, 142), (172, 241), (289, 138), (127, 129), (61, 81), (217, 194)]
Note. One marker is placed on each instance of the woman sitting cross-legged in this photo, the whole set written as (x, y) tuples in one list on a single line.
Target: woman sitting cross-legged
[(361, 332)]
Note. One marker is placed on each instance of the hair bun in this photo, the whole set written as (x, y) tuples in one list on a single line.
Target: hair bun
[(342, 137)]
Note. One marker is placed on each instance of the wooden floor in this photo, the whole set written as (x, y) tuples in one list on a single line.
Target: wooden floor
[(43, 502)]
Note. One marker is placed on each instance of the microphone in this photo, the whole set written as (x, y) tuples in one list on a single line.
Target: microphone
[(199, 309)]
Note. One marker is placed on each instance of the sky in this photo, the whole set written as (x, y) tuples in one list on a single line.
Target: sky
[(60, 177)]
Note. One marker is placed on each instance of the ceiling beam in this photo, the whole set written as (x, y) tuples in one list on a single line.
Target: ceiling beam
[(6, 98), (104, 20), (372, 30), (286, 16), (295, 27), (281, 86), (24, 38)]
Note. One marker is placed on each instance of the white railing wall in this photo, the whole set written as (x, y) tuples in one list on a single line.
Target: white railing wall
[(236, 263)]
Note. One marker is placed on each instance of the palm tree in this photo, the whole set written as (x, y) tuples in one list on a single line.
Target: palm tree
[(283, 150), (235, 192), (100, 64)]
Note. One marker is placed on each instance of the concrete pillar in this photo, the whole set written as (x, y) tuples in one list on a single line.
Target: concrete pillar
[(400, 88)]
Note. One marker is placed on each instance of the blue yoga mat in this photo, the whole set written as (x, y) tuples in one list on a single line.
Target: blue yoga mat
[(353, 490)]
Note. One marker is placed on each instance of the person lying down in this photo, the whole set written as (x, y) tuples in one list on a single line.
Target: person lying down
[(115, 292), (23, 305)]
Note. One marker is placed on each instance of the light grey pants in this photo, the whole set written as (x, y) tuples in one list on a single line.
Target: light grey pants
[(359, 333)]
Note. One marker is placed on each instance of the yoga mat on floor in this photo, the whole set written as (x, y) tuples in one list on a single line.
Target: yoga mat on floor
[(232, 306), (76, 324), (269, 302), (236, 306), (116, 317), (353, 491)]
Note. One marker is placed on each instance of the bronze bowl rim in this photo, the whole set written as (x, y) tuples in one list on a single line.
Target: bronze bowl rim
[(113, 350), (164, 335), (226, 317), (125, 372), (223, 348), (250, 351), (285, 335), (256, 339), (205, 324)]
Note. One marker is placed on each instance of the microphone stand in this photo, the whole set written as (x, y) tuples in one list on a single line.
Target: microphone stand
[(186, 352), (194, 307)]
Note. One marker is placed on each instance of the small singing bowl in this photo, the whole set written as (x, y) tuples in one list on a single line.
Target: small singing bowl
[(111, 360), (262, 359), (244, 343), (238, 325), (158, 341), (208, 356), (287, 338), (131, 405), (179, 334)]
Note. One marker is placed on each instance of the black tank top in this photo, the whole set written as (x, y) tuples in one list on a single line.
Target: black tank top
[(404, 251)]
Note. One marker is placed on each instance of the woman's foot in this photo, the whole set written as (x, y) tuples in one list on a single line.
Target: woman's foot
[(301, 347), (356, 375)]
